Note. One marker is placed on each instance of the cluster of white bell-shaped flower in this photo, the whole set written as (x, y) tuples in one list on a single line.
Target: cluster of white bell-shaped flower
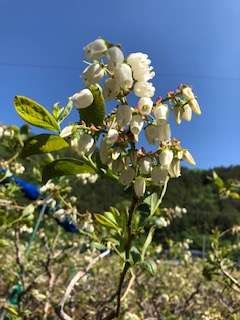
[(119, 76)]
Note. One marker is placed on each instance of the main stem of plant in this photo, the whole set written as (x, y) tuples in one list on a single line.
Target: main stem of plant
[(127, 253)]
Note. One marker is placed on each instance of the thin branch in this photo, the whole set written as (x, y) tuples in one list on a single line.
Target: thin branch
[(80, 274)]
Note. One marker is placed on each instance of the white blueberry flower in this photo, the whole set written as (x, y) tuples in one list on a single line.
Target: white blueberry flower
[(123, 76), (163, 131), (177, 115), (151, 134), (112, 136), (82, 99), (145, 106), (139, 186), (96, 49), (159, 175), (174, 169), (136, 125), (144, 89), (127, 176), (166, 157), (188, 157), (93, 73), (115, 56), (145, 165), (161, 112), (142, 71), (111, 89), (1, 131), (186, 113), (188, 94), (123, 115), (84, 144)]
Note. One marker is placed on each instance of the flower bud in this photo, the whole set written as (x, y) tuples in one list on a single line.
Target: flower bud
[(174, 169), (161, 112), (188, 157), (111, 89), (144, 89), (145, 165), (123, 76), (112, 136), (115, 56), (139, 186), (136, 125), (83, 99), (166, 157), (84, 143), (93, 73), (95, 49), (159, 175), (123, 115), (145, 106), (195, 106), (186, 112), (127, 176)]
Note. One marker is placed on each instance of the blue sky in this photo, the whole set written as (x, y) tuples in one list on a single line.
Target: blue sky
[(195, 42)]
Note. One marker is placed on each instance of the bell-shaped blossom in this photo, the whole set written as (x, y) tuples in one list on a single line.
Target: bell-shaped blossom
[(188, 94), (140, 186), (145, 165), (140, 64), (188, 157), (163, 131), (186, 113), (145, 106), (155, 134), (115, 57), (127, 176), (93, 73), (96, 49), (166, 157), (161, 112), (112, 136), (174, 169), (111, 89), (159, 175), (123, 115), (84, 144), (136, 125), (123, 76), (82, 99), (177, 115), (144, 89)]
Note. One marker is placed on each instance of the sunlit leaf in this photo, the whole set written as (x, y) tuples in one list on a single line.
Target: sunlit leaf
[(35, 114)]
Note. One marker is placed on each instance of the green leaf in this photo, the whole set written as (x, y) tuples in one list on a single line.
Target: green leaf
[(103, 220), (147, 242), (150, 266), (43, 143), (35, 114), (65, 112), (65, 167), (153, 202), (94, 114)]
